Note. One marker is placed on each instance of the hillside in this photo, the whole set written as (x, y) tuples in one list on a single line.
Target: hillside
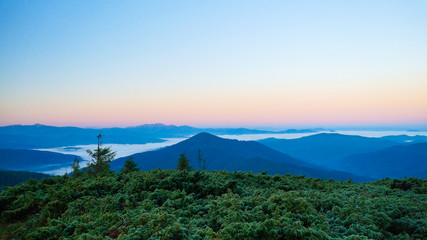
[(230, 155), (405, 139), (42, 136), (11, 178), (326, 149), (395, 162), (171, 204), (33, 160), (162, 130)]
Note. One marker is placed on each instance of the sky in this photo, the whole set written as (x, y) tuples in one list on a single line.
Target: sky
[(214, 63)]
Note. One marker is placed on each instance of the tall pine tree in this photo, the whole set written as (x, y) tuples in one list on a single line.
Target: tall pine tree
[(101, 158), (183, 162), (130, 166)]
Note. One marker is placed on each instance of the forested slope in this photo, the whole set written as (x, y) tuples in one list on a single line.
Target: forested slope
[(232, 155), (327, 149), (11, 178), (172, 204), (394, 162), (34, 160)]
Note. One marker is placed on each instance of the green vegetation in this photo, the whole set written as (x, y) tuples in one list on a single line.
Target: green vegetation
[(183, 162), (101, 158), (130, 166), (11, 178), (76, 168), (171, 204)]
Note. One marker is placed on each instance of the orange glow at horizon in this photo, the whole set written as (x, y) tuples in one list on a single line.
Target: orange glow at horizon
[(353, 106)]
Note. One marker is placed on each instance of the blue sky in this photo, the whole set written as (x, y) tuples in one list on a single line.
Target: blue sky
[(214, 63)]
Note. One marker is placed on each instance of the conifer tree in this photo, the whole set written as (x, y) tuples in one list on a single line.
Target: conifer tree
[(199, 159), (204, 164), (76, 168), (130, 166), (101, 158), (183, 162)]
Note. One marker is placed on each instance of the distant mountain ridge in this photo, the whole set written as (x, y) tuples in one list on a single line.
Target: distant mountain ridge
[(405, 139), (230, 155), (391, 156), (326, 149), (12, 178), (42, 136), (394, 162), (33, 160)]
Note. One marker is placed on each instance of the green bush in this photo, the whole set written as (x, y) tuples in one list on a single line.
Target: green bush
[(172, 204)]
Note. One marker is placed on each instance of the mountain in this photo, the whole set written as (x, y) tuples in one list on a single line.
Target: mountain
[(405, 139), (12, 178), (326, 149), (161, 130), (230, 155), (394, 162), (41, 136), (33, 160)]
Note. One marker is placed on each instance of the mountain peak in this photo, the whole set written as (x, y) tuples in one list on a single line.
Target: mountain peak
[(203, 137), (229, 155), (153, 125)]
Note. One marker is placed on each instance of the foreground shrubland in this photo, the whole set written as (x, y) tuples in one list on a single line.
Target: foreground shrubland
[(171, 204)]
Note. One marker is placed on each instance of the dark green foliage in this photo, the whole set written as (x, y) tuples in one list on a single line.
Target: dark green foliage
[(76, 168), (130, 166), (170, 204), (183, 162), (101, 158), (11, 178), (415, 184)]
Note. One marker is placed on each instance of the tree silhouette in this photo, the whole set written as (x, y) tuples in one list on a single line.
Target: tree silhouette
[(76, 168), (101, 158), (183, 162), (201, 161), (204, 164), (130, 165)]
